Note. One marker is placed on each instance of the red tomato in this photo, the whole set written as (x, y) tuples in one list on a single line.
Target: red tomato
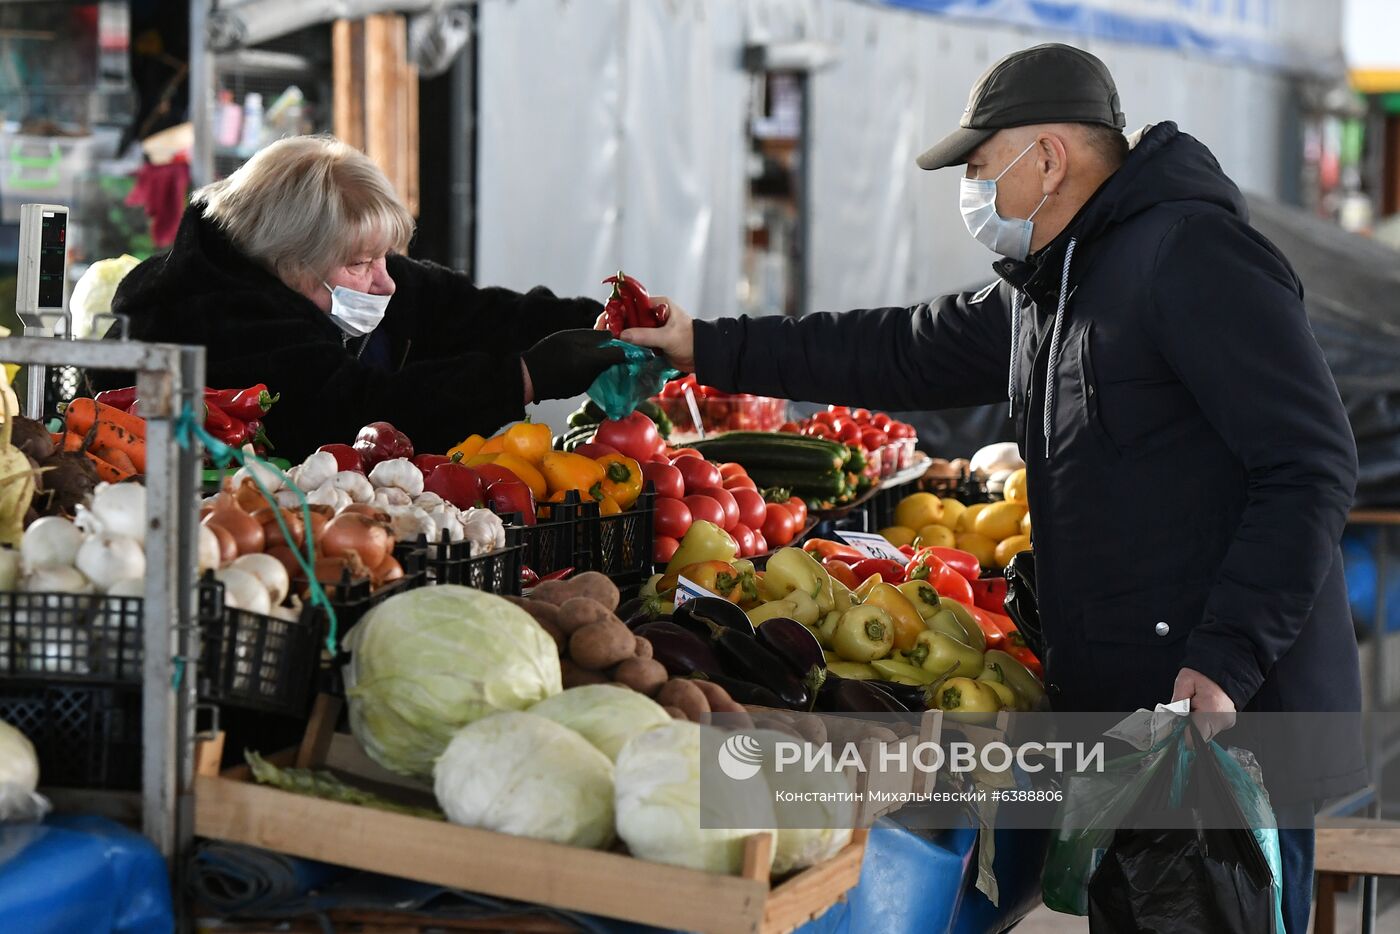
[(740, 483), (873, 439), (838, 409), (635, 436), (881, 421), (703, 507), (825, 418), (673, 518), (849, 434), (798, 507), (823, 431), (779, 527), (685, 452), (760, 544), (663, 548), (744, 536), (790, 428), (861, 416), (752, 508), (665, 479), (726, 502), (698, 473), (732, 470), (593, 450)]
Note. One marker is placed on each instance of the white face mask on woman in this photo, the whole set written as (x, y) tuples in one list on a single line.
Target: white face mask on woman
[(1009, 236), (357, 313)]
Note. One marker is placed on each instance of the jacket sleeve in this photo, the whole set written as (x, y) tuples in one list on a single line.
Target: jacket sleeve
[(947, 353), (455, 316), (1227, 313)]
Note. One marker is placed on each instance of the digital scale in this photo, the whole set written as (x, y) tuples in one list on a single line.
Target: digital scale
[(43, 270)]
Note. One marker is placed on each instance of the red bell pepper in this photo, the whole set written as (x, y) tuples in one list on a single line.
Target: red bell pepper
[(427, 463), (243, 404), (346, 457), (118, 398), (824, 549), (907, 550), (945, 580), (508, 496), (891, 572), (1016, 647), (380, 441), (461, 486), (961, 561), (528, 577), (990, 593)]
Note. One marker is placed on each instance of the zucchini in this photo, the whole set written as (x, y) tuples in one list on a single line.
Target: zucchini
[(777, 451)]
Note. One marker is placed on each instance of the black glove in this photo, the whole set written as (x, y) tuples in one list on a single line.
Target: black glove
[(566, 363)]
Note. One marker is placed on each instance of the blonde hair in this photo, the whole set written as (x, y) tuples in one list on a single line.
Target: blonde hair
[(307, 204)]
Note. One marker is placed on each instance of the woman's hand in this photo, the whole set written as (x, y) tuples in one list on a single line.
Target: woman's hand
[(675, 339), (566, 363)]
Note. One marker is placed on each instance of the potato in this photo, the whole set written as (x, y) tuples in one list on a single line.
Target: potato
[(574, 676), (812, 728), (643, 647), (718, 698), (561, 641), (675, 713), (643, 675), (601, 645), (576, 612), (555, 592), (685, 695), (778, 726), (596, 586)]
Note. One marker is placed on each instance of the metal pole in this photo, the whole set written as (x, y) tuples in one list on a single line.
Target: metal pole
[(201, 84)]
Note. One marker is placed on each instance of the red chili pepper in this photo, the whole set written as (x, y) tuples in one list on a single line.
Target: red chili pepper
[(556, 576), (528, 577), (1016, 647), (257, 436), (636, 303), (961, 561), (945, 580), (891, 572), (841, 571), (823, 549), (246, 404), (217, 422), (122, 399)]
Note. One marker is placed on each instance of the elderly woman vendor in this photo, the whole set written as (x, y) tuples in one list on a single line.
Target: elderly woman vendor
[(291, 272)]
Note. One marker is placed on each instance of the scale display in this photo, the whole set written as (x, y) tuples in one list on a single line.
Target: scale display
[(53, 238)]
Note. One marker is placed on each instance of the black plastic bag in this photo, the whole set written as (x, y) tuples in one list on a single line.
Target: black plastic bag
[(1202, 872), (1020, 602)]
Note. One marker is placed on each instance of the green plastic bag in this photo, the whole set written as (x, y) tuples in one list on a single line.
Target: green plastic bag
[(620, 389)]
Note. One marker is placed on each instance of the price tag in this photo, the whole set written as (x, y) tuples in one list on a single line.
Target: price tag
[(694, 412), (687, 590), (873, 545)]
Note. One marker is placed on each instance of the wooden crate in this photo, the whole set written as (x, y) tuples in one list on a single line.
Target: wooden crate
[(890, 782), (232, 807)]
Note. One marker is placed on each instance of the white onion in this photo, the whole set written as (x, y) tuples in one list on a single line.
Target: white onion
[(243, 591), (269, 572), (56, 580), (107, 559), (9, 568), (50, 542), (210, 555), (121, 509)]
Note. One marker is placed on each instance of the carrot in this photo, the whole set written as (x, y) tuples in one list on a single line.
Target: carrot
[(109, 427), (108, 471), (117, 459), (73, 441)]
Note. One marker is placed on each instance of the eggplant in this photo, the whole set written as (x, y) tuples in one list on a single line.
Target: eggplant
[(845, 695), (639, 611), (794, 643), (679, 650), (697, 615), (911, 696), (748, 693), (743, 657)]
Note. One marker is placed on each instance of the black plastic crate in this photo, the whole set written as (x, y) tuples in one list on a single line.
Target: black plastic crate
[(620, 545), (448, 562), (550, 544), (254, 661), (70, 637), (86, 735), (352, 599)]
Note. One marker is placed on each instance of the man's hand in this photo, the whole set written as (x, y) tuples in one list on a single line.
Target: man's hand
[(675, 339), (1211, 708)]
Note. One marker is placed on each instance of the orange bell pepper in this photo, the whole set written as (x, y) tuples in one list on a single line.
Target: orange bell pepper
[(528, 441), (468, 449), (526, 471), (824, 549), (608, 506), (564, 471), (496, 445), (907, 621)]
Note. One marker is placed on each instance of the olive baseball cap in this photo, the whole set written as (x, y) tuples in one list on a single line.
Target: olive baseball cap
[(1051, 83)]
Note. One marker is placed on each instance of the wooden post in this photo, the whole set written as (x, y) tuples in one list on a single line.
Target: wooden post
[(376, 97)]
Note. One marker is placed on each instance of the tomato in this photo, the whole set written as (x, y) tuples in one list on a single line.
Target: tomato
[(752, 508), (779, 526), (838, 409), (635, 436), (825, 418), (822, 431), (726, 471), (798, 507), (703, 507), (873, 439), (673, 518), (663, 548), (849, 434), (686, 452), (665, 479), (593, 450), (900, 430), (760, 544), (741, 483), (881, 421), (744, 536), (861, 416), (698, 473), (790, 428), (659, 459), (726, 502)]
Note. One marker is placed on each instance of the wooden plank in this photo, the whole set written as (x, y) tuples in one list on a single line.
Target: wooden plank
[(758, 858), (1374, 517), (1358, 846), (499, 864), (208, 753), (1325, 912), (347, 115), (320, 729), (412, 144), (811, 892), (379, 98)]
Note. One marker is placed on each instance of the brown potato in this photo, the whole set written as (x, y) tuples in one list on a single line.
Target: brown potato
[(684, 694), (574, 676), (601, 645), (675, 713), (555, 592), (561, 641), (643, 675), (596, 586), (812, 728), (718, 698), (576, 612), (643, 647)]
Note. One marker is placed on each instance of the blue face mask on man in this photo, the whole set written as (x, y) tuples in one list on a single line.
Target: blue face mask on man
[(357, 313), (1009, 236)]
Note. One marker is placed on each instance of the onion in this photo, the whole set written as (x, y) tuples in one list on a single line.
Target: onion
[(107, 559), (121, 509), (247, 533), (351, 532), (269, 572), (57, 580), (9, 570), (285, 557), (330, 571), (386, 571), (272, 532), (247, 496), (50, 542), (243, 591), (210, 551), (367, 509), (228, 548)]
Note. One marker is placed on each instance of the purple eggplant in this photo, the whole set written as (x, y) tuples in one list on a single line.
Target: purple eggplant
[(748, 693), (793, 642), (847, 695), (912, 697), (639, 611), (699, 614), (745, 658), (679, 650)]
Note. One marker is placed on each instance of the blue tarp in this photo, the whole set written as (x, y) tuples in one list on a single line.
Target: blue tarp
[(81, 873)]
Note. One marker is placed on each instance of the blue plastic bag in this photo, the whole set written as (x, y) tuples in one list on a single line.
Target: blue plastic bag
[(620, 389)]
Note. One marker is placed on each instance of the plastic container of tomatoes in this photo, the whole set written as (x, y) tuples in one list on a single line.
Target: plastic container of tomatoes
[(719, 411)]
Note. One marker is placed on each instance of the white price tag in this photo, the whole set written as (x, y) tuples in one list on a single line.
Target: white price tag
[(687, 590), (873, 545)]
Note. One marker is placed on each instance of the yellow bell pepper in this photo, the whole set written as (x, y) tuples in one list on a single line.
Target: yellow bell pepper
[(528, 441), (467, 449), (907, 622), (563, 471), (496, 445), (622, 479), (527, 473)]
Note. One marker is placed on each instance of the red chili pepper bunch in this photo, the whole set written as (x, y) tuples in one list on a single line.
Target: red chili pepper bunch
[(630, 306), (234, 416)]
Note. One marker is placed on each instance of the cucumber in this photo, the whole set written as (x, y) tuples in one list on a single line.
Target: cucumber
[(777, 451), (821, 484)]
